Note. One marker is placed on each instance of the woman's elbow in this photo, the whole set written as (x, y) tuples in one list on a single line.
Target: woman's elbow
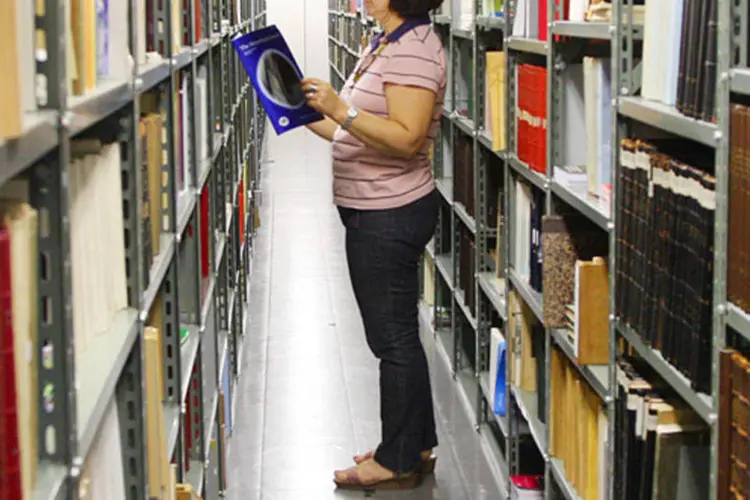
[(410, 147)]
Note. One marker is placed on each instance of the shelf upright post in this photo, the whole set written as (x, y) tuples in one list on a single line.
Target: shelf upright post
[(170, 297), (480, 208), (455, 237), (129, 390), (555, 110), (56, 369), (737, 28), (622, 60), (481, 311), (727, 10), (513, 449)]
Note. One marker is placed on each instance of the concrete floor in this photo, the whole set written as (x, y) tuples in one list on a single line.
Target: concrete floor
[(307, 399)]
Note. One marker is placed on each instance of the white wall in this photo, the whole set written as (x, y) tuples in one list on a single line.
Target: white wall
[(304, 24)]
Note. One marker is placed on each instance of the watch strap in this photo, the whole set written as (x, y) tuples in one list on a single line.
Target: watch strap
[(349, 118)]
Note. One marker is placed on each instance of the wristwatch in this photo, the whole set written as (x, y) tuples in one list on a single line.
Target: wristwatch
[(351, 114)]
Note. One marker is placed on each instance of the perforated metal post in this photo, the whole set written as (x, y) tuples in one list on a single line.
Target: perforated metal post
[(512, 451), (129, 394)]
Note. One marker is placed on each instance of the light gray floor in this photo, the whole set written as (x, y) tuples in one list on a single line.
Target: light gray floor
[(308, 395)]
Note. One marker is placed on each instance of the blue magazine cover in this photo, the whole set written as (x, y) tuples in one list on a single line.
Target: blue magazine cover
[(276, 77)]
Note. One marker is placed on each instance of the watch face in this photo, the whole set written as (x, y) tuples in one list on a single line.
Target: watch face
[(352, 113), (279, 80)]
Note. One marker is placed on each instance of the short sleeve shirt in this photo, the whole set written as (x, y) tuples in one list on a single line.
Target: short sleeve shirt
[(364, 178)]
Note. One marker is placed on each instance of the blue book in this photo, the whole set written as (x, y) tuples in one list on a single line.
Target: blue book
[(276, 77)]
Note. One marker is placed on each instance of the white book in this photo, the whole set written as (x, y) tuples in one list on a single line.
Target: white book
[(496, 340), (575, 149)]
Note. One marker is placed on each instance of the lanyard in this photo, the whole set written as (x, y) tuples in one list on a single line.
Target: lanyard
[(380, 42)]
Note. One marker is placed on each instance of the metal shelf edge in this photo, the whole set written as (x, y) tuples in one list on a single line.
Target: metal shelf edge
[(38, 139), (558, 471), (601, 387), (535, 425), (667, 118), (739, 320), (50, 482), (702, 404), (460, 297), (582, 206), (491, 287), (157, 273), (464, 215), (484, 384), (119, 340), (171, 413), (532, 298), (445, 266), (490, 22), (531, 176), (528, 45), (582, 29), (188, 355)]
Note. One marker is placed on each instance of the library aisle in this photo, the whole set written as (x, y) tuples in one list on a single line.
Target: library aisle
[(307, 396)]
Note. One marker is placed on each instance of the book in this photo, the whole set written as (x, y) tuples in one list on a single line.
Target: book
[(276, 78)]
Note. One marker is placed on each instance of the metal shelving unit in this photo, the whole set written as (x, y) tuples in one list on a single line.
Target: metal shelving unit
[(74, 407), (463, 117)]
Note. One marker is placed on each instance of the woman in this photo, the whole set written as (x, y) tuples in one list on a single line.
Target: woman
[(382, 127)]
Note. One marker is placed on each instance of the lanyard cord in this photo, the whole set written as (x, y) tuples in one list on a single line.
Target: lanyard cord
[(362, 68)]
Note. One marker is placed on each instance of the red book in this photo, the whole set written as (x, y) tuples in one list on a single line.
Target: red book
[(198, 19), (10, 453), (241, 210), (204, 223)]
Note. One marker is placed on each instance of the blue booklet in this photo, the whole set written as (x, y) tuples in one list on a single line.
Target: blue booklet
[(276, 77)]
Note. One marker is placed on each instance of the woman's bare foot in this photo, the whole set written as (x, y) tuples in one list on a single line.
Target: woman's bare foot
[(368, 472)]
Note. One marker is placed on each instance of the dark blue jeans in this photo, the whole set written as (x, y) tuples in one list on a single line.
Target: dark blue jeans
[(383, 250)]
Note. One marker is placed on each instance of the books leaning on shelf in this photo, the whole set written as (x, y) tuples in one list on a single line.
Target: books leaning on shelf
[(662, 447), (100, 42), (578, 430), (97, 241), (665, 234)]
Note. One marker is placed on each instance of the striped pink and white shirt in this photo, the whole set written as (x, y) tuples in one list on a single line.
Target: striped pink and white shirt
[(364, 178)]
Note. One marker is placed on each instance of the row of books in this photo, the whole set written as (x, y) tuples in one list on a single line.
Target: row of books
[(99, 52), (664, 273), (679, 55), (527, 227), (662, 447), (530, 20)]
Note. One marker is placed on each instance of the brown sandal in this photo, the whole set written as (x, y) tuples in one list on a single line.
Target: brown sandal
[(428, 464), (352, 481)]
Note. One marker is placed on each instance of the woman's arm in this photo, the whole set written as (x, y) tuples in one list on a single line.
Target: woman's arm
[(404, 131), (324, 128), (401, 134)]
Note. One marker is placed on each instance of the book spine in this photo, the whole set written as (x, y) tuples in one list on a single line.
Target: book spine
[(10, 454)]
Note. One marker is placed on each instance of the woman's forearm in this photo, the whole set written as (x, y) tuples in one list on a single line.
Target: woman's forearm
[(382, 134), (324, 128)]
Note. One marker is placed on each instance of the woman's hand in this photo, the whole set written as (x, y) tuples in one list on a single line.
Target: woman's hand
[(323, 98)]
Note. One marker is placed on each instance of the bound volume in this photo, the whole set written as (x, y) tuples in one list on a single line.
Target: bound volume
[(276, 77)]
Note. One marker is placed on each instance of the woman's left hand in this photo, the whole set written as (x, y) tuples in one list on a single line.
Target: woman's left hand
[(322, 97)]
